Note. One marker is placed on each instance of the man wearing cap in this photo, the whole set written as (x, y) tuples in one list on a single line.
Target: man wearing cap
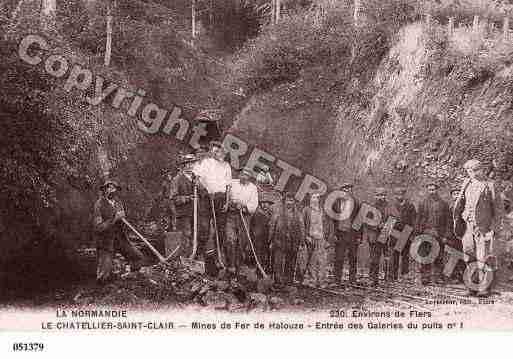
[(453, 240), (286, 234), (242, 197), (371, 234), (181, 194), (433, 219), (347, 238), (480, 208), (109, 233), (319, 230), (405, 213)]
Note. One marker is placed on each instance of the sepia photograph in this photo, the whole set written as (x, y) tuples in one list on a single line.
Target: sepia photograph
[(244, 166)]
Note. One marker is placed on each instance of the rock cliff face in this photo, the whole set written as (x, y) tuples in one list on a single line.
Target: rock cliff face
[(427, 108), (432, 103)]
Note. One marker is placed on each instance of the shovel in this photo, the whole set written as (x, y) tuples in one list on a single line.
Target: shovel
[(218, 246), (173, 241), (248, 235)]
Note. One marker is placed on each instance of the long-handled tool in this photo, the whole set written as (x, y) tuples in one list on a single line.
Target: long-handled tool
[(218, 246), (194, 218), (246, 229), (161, 258)]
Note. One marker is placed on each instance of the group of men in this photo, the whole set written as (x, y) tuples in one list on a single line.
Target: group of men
[(292, 244)]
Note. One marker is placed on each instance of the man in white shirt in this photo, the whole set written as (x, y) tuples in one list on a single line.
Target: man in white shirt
[(215, 174), (213, 171), (242, 196)]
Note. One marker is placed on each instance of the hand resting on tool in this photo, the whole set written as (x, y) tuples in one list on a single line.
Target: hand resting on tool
[(119, 216)]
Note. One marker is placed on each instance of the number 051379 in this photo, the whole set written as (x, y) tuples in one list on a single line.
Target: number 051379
[(28, 347)]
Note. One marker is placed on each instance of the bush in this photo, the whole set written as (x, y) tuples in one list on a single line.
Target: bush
[(303, 40), (465, 10)]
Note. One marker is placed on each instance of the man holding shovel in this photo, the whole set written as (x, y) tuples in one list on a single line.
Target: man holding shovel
[(242, 203), (109, 233), (182, 196), (215, 174)]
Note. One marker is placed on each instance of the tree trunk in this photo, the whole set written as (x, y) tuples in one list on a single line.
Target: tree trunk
[(108, 45), (48, 9)]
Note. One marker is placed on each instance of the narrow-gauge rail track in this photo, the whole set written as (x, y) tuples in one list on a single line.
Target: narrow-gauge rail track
[(381, 295), (435, 291)]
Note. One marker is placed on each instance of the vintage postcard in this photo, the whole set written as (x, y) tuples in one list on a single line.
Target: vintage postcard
[(277, 166)]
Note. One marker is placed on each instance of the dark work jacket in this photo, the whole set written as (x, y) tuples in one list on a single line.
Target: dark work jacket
[(405, 213), (434, 216), (106, 239), (182, 186), (260, 224), (286, 228)]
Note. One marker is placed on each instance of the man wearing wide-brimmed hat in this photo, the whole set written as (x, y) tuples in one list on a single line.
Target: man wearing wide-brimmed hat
[(181, 195), (109, 233), (480, 208)]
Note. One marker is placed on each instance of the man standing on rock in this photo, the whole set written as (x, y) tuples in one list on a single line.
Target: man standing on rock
[(404, 211), (242, 198), (286, 234), (319, 230), (181, 195), (433, 219), (110, 235), (480, 208), (347, 238), (371, 234)]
